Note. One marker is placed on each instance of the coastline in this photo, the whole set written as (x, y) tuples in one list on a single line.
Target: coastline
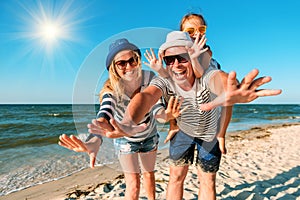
[(262, 162)]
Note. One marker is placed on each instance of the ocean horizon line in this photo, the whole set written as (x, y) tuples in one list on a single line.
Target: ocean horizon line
[(242, 104)]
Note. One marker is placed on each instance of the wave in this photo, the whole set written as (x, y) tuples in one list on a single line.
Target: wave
[(31, 141)]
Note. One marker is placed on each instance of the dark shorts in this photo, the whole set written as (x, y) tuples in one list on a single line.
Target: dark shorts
[(182, 148)]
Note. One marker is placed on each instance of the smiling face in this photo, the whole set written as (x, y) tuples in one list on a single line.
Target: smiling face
[(181, 72), (194, 23), (127, 65)]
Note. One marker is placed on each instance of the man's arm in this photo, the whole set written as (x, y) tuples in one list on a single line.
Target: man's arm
[(140, 105), (230, 92)]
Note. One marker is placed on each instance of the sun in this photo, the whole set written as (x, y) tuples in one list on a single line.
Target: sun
[(49, 27), (50, 31)]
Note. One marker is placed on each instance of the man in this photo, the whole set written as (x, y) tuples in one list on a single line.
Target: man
[(200, 122)]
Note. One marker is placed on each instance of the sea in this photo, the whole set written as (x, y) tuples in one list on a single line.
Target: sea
[(30, 154)]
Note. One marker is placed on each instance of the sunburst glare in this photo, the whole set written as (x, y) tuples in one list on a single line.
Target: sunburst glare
[(49, 28), (50, 31)]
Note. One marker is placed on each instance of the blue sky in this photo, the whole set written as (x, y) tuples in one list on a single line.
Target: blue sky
[(54, 51)]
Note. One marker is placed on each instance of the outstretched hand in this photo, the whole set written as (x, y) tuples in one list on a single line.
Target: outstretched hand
[(197, 49), (173, 109), (154, 63), (73, 143), (241, 93), (117, 130)]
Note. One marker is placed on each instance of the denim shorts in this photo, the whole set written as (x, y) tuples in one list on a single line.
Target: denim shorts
[(124, 146), (182, 148)]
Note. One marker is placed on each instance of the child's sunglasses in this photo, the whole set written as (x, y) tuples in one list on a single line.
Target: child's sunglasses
[(191, 31)]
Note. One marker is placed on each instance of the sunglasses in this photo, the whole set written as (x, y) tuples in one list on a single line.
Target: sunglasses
[(121, 64), (191, 31), (181, 58)]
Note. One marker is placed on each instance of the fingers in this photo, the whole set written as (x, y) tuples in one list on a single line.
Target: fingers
[(249, 83), (244, 93), (119, 131), (150, 55), (201, 44), (203, 38), (173, 104), (171, 135), (170, 104), (92, 160), (202, 41), (203, 50), (246, 82), (65, 141), (263, 93), (222, 145), (96, 127), (78, 143), (160, 56), (72, 143), (197, 39), (231, 82), (259, 82), (184, 109), (114, 124)]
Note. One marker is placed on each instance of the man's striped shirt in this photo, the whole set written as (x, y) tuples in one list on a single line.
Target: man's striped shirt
[(193, 121)]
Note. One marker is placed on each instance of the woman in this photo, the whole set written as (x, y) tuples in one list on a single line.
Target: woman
[(126, 79)]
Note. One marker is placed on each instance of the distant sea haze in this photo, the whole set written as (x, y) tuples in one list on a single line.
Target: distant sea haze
[(29, 134)]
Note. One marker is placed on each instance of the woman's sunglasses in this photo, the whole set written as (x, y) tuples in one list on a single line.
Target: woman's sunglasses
[(181, 58), (191, 31), (121, 64)]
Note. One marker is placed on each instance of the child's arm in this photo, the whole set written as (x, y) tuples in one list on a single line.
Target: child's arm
[(155, 64), (226, 114), (194, 52), (172, 131)]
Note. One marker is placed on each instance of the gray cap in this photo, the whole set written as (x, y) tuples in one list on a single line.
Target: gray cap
[(175, 39)]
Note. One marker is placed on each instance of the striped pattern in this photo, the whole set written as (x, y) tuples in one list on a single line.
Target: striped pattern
[(111, 108), (194, 122)]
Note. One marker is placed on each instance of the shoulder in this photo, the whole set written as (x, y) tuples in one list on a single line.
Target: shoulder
[(108, 95), (214, 64), (147, 77), (210, 71), (151, 74)]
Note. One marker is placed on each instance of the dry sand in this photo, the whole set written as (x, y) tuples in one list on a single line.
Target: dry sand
[(261, 163)]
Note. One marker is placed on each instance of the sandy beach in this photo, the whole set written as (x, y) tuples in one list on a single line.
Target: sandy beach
[(261, 163)]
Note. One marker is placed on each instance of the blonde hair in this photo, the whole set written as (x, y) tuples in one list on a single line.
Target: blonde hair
[(114, 84)]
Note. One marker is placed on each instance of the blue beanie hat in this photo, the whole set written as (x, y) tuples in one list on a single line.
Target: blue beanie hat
[(117, 46)]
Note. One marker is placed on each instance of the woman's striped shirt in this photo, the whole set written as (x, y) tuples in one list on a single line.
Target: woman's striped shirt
[(112, 108)]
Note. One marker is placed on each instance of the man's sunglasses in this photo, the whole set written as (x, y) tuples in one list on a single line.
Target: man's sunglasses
[(181, 58), (191, 31), (121, 64)]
